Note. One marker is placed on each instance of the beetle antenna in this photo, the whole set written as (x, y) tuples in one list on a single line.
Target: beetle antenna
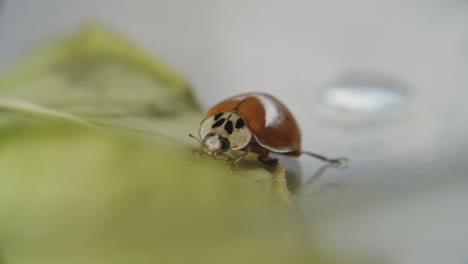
[(197, 139), (339, 162)]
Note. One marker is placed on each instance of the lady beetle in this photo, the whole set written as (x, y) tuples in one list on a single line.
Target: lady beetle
[(253, 122)]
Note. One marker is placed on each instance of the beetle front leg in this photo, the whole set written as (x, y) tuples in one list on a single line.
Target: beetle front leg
[(226, 157), (199, 152), (241, 157)]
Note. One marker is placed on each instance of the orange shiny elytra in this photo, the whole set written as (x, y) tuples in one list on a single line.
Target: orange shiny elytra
[(253, 122)]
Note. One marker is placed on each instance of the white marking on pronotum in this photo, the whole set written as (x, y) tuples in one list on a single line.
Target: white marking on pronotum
[(271, 112)]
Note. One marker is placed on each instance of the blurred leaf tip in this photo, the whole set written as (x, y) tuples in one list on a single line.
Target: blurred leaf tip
[(96, 72)]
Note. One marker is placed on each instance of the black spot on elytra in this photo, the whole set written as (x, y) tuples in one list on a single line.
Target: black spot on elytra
[(228, 127), (218, 115), (218, 123), (240, 123)]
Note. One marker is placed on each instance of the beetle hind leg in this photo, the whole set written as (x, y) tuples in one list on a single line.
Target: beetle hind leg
[(266, 160), (338, 163)]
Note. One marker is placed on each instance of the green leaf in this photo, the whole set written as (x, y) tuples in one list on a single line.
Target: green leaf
[(77, 195)]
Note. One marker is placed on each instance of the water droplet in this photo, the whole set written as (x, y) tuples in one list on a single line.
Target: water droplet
[(363, 98)]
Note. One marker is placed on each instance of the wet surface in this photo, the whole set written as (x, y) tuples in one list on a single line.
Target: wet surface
[(364, 99)]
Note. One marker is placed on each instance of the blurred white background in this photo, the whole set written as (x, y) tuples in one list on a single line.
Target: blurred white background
[(383, 83)]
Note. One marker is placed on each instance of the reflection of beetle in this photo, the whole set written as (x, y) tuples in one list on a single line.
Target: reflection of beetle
[(253, 122)]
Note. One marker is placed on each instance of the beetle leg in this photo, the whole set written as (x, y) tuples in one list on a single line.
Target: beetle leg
[(241, 157), (264, 159), (198, 152), (226, 157), (340, 162)]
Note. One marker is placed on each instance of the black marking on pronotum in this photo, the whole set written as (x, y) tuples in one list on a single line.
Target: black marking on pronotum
[(218, 115), (218, 123), (228, 127), (240, 123)]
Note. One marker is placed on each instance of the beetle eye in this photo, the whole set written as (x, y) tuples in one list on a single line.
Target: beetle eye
[(225, 144), (207, 137)]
